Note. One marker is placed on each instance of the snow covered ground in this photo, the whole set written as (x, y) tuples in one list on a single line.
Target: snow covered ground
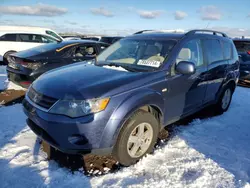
[(211, 152), (4, 83), (3, 77)]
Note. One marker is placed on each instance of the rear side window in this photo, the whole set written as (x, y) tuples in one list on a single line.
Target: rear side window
[(9, 37), (213, 50), (85, 51), (25, 38), (227, 48), (35, 38)]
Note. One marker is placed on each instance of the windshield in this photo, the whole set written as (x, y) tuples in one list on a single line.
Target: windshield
[(54, 35), (48, 39), (143, 54)]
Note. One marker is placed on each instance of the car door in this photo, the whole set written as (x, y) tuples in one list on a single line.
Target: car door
[(83, 52), (186, 92), (217, 67)]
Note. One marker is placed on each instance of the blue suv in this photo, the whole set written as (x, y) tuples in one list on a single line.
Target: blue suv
[(119, 103)]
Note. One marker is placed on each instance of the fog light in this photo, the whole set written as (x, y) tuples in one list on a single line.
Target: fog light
[(77, 139)]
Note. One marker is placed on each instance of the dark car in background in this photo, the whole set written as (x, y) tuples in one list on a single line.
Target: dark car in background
[(135, 88), (243, 48), (110, 40), (25, 66)]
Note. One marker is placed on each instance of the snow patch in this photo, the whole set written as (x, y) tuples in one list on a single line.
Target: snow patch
[(3, 78), (207, 153), (115, 68), (4, 82), (11, 85)]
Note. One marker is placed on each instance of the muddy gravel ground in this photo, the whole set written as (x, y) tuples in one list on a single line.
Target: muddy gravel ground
[(93, 165), (10, 97), (90, 165)]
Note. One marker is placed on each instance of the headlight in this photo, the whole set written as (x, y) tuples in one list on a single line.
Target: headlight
[(77, 108)]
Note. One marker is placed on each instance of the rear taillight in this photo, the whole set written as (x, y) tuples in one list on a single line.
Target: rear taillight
[(27, 83), (29, 65), (21, 62), (248, 52)]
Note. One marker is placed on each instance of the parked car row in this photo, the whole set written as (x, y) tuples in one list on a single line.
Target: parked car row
[(26, 66), (118, 103), (243, 48), (18, 38), (105, 39)]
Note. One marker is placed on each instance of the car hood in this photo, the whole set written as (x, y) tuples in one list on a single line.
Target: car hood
[(82, 81)]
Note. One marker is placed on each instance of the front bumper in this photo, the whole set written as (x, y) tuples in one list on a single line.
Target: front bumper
[(69, 135)]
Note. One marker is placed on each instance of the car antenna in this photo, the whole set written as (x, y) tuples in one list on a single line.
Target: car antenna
[(208, 23)]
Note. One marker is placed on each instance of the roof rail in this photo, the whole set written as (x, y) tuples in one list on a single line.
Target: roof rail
[(162, 31), (192, 32), (143, 31)]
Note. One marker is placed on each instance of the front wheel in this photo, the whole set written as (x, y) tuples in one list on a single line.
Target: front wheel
[(137, 138), (224, 101)]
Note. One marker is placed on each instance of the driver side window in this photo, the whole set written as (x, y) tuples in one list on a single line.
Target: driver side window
[(85, 51), (191, 52)]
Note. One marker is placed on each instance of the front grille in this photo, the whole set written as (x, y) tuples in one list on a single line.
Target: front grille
[(40, 99)]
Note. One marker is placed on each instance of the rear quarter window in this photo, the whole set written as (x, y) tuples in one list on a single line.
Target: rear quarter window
[(9, 37), (227, 48)]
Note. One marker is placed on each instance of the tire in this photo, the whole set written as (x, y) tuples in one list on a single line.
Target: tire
[(5, 57), (125, 151), (224, 101)]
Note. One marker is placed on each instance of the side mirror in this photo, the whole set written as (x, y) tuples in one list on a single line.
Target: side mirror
[(185, 67)]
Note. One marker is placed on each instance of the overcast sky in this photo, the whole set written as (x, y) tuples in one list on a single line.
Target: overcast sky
[(127, 16)]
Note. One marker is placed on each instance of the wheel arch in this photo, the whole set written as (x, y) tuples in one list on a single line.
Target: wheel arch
[(4, 56), (231, 83), (9, 51), (149, 101)]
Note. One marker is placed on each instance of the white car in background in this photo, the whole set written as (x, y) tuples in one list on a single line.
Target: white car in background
[(14, 39)]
